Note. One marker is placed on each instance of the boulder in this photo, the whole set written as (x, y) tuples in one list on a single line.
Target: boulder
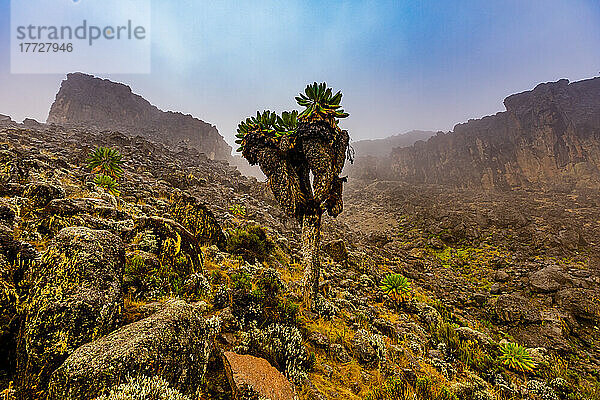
[(252, 377), (339, 353), (336, 249), (41, 194), (7, 213), (501, 276), (74, 206), (367, 348), (547, 280), (76, 298), (12, 169), (15, 251), (174, 344), (512, 308), (582, 303), (319, 340), (9, 318)]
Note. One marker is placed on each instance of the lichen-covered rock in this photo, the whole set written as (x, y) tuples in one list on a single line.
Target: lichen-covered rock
[(17, 253), (7, 213), (197, 218), (12, 169), (368, 348), (144, 388), (8, 318), (174, 344), (466, 333), (41, 194), (252, 377), (76, 298), (74, 206)]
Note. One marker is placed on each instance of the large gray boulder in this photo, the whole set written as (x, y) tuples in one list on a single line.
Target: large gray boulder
[(76, 297), (548, 279), (174, 344)]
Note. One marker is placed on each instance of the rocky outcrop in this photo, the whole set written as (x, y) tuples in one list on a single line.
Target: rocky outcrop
[(77, 297), (5, 120), (88, 101), (511, 308), (549, 136), (174, 344), (252, 377)]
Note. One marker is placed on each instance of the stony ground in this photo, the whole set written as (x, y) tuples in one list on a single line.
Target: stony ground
[(192, 267)]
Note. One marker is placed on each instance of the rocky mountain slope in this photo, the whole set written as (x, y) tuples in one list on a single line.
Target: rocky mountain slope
[(549, 136), (84, 100), (187, 283)]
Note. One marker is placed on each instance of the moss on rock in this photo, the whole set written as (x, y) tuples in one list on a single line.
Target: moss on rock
[(174, 344), (76, 298)]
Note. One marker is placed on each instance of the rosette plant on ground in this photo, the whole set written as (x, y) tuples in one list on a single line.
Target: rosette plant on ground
[(302, 155)]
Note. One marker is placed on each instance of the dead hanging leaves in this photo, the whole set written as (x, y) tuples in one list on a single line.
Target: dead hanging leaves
[(292, 147), (317, 149)]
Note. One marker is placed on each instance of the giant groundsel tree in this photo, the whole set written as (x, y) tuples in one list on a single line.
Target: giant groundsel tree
[(302, 156)]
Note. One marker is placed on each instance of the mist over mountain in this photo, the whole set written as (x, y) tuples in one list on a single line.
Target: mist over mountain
[(176, 265), (383, 147), (547, 136)]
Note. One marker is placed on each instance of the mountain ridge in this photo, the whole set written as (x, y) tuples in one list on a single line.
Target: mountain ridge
[(548, 136)]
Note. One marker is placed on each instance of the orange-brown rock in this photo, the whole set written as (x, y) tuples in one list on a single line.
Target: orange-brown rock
[(252, 377)]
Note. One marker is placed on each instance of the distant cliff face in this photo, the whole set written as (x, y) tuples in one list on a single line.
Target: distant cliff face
[(549, 136), (372, 157), (89, 101)]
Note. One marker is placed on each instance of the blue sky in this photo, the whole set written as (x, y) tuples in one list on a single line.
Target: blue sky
[(401, 65)]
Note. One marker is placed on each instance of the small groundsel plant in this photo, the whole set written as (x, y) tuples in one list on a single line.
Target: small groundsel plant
[(144, 388), (516, 357), (396, 287), (237, 210), (107, 183), (106, 161)]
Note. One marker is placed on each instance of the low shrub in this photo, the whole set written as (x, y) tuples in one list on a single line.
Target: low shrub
[(282, 346), (392, 389), (251, 243), (144, 388)]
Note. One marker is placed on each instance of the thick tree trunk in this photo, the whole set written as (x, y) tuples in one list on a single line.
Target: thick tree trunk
[(311, 238)]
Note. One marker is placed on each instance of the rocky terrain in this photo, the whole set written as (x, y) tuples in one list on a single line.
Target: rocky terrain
[(84, 100), (548, 136), (186, 283)]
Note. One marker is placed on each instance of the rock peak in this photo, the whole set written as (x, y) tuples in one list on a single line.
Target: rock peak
[(85, 100)]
